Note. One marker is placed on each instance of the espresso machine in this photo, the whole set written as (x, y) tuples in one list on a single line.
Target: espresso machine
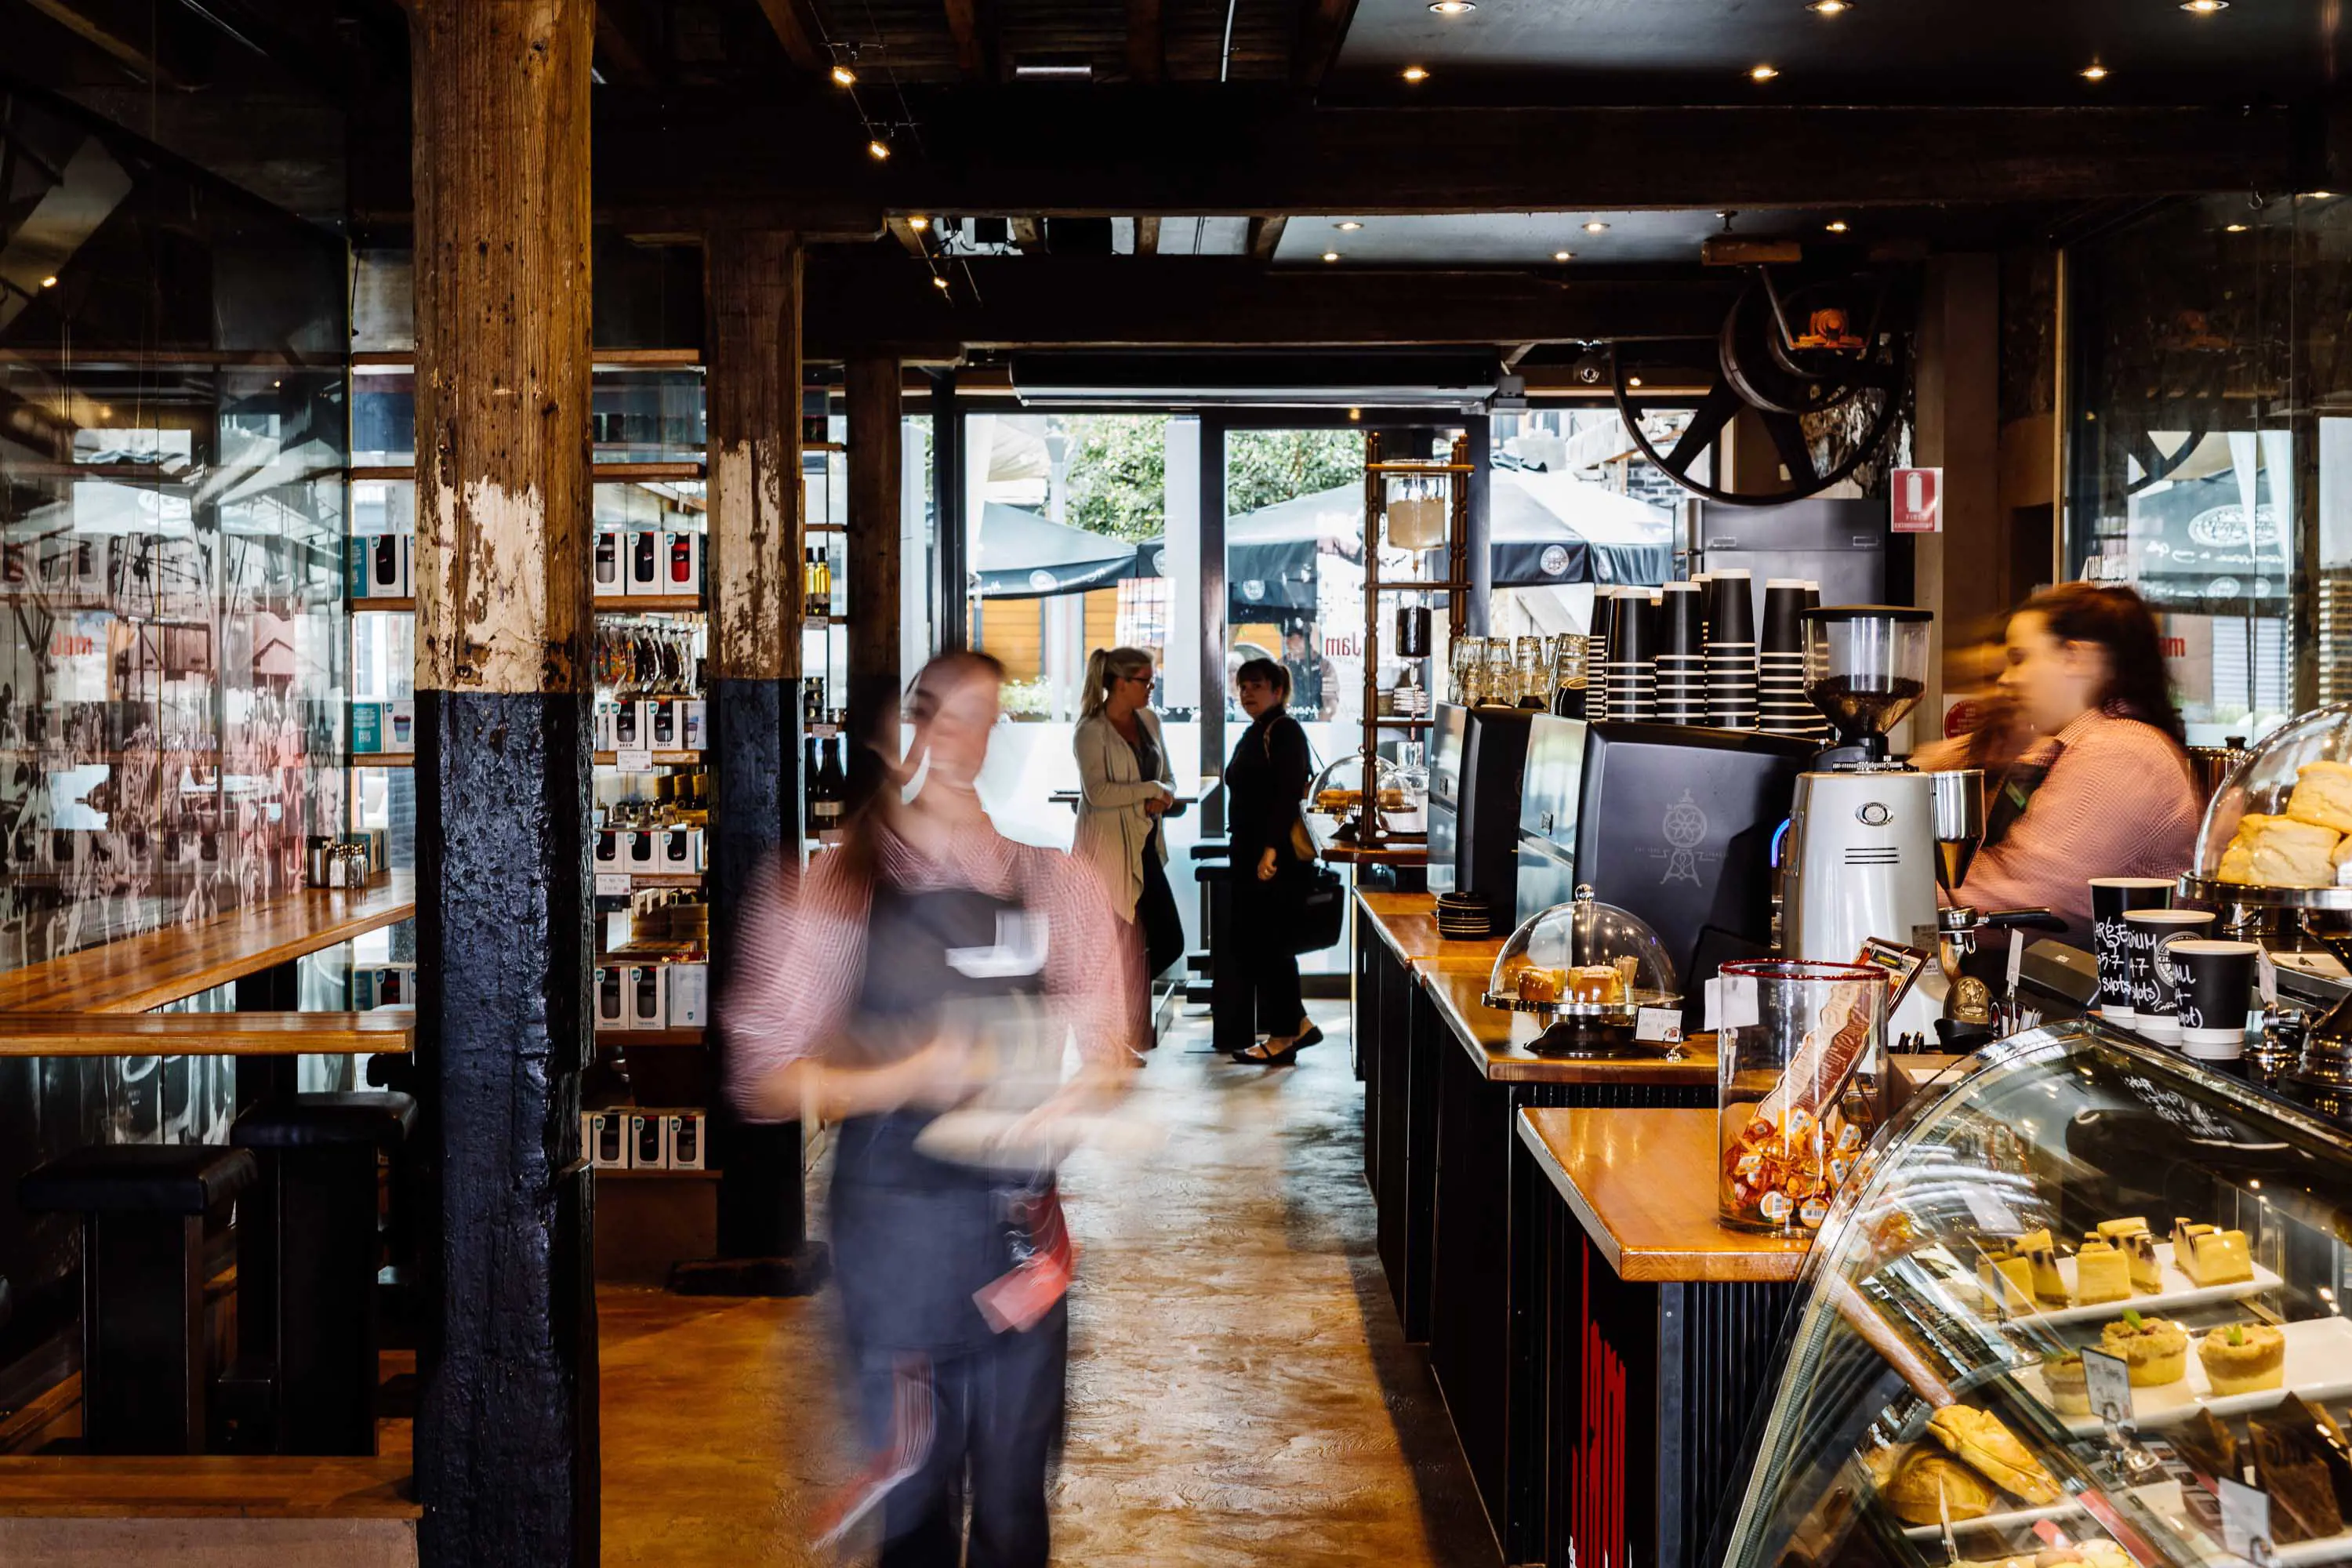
[(1862, 857)]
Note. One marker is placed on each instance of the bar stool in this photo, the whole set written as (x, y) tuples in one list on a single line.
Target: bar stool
[(142, 1206), (307, 1255), (1233, 1016)]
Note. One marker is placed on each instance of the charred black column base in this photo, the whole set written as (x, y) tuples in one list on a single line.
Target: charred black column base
[(507, 1417)]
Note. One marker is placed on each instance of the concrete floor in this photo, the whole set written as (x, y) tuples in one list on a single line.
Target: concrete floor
[(1239, 1393)]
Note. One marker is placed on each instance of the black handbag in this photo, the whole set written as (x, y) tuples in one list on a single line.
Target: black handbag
[(1322, 912)]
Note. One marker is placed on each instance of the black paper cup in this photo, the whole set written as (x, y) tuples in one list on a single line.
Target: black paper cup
[(1681, 628), (1634, 635), (1783, 630), (2155, 980), (2217, 984), (2110, 897), (1730, 606)]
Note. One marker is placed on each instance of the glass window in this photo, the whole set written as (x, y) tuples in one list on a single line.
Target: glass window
[(2205, 460)]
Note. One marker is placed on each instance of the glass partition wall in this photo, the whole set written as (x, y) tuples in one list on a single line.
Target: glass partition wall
[(2208, 444)]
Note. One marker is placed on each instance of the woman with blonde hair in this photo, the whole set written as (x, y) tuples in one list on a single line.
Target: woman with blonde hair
[(1125, 786)]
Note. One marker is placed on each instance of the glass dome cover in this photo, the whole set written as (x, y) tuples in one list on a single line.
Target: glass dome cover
[(2279, 829), (1591, 966), (1339, 787)]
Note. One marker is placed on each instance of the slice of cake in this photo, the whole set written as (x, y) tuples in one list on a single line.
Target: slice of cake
[(2112, 1230), (2049, 1285), (2216, 1257), (2009, 1281), (2154, 1349), (2183, 1229), (2102, 1273), (2243, 1357), (2147, 1273)]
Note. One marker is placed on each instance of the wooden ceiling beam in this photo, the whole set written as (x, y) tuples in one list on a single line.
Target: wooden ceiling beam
[(1265, 237), (627, 50), (1147, 42), (792, 30), (970, 25), (130, 38), (1147, 236), (861, 301), (1321, 29), (1185, 151)]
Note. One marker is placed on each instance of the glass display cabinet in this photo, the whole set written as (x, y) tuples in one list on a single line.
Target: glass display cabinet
[(1944, 1395)]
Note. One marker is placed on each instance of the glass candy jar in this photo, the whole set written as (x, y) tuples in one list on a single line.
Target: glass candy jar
[(1802, 1078)]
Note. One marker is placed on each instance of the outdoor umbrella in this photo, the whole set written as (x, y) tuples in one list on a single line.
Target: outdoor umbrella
[(1022, 555)]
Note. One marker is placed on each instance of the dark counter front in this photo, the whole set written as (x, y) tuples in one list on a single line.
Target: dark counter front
[(1653, 1327), (1484, 1276), (1395, 932)]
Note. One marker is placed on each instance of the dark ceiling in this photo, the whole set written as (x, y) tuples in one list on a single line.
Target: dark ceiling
[(1872, 51)]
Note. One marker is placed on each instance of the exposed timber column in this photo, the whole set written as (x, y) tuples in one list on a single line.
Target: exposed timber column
[(753, 290), (506, 1427), (871, 390)]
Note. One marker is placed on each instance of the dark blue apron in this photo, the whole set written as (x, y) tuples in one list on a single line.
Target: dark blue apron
[(913, 1237)]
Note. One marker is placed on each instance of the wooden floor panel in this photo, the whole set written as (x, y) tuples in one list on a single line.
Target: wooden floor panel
[(1239, 1392)]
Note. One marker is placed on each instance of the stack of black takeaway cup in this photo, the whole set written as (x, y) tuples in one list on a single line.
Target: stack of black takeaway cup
[(1731, 698), (1630, 681), (1596, 653), (1681, 657), (1782, 706)]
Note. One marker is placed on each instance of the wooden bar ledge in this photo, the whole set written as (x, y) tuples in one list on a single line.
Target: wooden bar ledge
[(387, 1031)]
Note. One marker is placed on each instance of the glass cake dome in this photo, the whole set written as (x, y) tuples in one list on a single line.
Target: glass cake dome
[(1340, 785), (2279, 829), (1593, 968)]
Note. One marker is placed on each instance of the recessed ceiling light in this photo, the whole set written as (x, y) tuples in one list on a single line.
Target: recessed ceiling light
[(1355, 413), (1632, 380), (1453, 7), (918, 223), (1762, 73), (2233, 228), (878, 150), (1596, 227), (2204, 7), (50, 282), (1836, 226), (938, 281), (1350, 227), (1330, 255), (2094, 71), (2319, 196), (1416, 73), (844, 77), (1827, 7), (1563, 255)]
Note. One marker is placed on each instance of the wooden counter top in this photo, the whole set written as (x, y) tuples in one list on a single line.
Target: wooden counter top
[(1498, 1041), (146, 971), (391, 1031), (1407, 922), (1643, 1185)]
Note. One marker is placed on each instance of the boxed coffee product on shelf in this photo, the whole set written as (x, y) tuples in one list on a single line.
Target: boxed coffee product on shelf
[(661, 724), (383, 985), (630, 731), (694, 725), (645, 992), (642, 563), (367, 728), (612, 848), (681, 559), (612, 1012), (677, 850), (605, 561), (690, 995), (648, 1141), (641, 852), (605, 1139), (685, 1140), (399, 727)]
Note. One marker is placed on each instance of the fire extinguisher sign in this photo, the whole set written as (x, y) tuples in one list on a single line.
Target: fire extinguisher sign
[(1919, 500)]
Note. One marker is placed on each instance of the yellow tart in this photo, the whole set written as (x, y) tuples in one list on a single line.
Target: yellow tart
[(2155, 1350), (2242, 1358)]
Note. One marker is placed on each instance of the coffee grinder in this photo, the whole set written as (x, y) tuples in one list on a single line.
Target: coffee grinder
[(1862, 851)]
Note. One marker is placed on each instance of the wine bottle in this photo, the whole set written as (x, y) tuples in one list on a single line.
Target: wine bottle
[(833, 793), (824, 580), (812, 787)]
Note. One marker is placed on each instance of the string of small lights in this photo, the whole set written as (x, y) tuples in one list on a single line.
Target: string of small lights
[(883, 136)]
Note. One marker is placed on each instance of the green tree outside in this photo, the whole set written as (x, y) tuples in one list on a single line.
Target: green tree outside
[(1118, 471)]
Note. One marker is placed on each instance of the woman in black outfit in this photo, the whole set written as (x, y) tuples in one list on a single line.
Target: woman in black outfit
[(1264, 782)]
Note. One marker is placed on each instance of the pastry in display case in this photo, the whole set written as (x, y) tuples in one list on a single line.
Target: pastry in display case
[(2072, 1286), (2283, 817), (1598, 972), (1339, 787)]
